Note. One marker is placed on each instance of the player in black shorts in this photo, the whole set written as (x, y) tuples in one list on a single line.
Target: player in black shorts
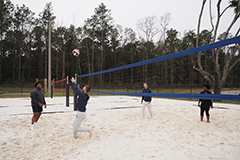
[(37, 100), (206, 103)]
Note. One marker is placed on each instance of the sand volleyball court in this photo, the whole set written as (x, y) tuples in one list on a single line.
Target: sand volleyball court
[(119, 131)]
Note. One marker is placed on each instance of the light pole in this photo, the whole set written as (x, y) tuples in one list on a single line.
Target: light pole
[(49, 55)]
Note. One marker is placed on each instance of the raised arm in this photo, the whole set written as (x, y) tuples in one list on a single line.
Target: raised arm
[(75, 88)]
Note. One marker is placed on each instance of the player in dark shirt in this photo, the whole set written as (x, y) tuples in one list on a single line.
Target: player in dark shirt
[(81, 109), (37, 100), (206, 103), (146, 101)]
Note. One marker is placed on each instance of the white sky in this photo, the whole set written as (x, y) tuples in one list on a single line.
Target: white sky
[(184, 13)]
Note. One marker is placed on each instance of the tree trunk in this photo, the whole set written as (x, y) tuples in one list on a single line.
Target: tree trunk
[(56, 68), (19, 66), (92, 79), (217, 88), (63, 69), (109, 78), (115, 61), (88, 63), (40, 73), (166, 72), (1, 55), (46, 64), (14, 64), (172, 66), (101, 65), (80, 71), (132, 70), (92, 83), (161, 78)]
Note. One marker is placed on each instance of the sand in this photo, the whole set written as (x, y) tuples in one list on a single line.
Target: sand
[(119, 131)]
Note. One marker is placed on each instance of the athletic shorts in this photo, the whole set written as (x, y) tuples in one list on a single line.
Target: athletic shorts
[(37, 109), (204, 108)]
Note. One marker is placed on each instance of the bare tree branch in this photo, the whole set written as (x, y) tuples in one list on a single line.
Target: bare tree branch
[(222, 73), (205, 74), (225, 10), (236, 49), (148, 27), (237, 32), (237, 15), (197, 40), (231, 67), (218, 20), (199, 22), (211, 21), (164, 22)]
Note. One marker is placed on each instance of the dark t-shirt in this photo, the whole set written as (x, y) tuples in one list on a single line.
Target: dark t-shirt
[(145, 98), (37, 96), (206, 102), (82, 98)]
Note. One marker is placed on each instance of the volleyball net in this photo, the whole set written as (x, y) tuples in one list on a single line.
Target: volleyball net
[(61, 85), (133, 71)]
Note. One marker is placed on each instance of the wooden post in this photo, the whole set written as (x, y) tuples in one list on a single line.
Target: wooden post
[(45, 85)]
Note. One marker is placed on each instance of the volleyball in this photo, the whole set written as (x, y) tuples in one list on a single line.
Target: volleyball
[(75, 52)]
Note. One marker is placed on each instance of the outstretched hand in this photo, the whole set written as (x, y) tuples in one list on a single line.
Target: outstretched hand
[(73, 80)]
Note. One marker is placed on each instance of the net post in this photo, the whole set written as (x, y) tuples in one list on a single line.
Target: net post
[(75, 97), (67, 93), (52, 89)]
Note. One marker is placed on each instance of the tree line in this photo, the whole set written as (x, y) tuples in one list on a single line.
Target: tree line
[(104, 45)]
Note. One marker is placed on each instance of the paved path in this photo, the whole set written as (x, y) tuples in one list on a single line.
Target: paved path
[(232, 92)]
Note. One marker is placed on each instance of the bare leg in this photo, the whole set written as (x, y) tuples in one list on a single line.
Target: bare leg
[(91, 133), (201, 118), (208, 117), (38, 116), (34, 118)]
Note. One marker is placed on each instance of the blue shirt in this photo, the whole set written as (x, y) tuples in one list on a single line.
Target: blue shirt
[(145, 98), (82, 98)]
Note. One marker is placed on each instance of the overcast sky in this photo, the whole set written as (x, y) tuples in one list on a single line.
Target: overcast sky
[(184, 13)]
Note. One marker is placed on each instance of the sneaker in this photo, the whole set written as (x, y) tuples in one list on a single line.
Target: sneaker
[(32, 128), (36, 125)]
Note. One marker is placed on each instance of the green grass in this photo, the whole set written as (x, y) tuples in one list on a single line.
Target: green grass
[(13, 92)]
